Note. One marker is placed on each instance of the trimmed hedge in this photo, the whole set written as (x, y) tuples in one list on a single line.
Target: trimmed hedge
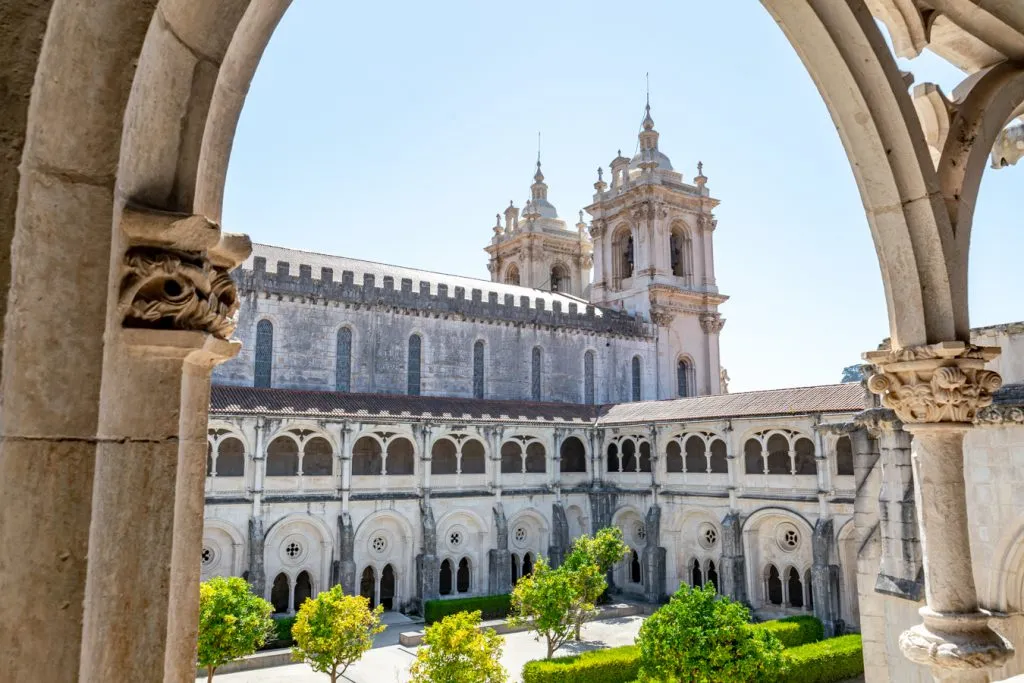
[(794, 631), (490, 606), (827, 661), (282, 634), (614, 665)]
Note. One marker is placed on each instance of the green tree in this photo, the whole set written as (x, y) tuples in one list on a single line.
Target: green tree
[(233, 622), (458, 652), (603, 550), (700, 637), (333, 630), (548, 600)]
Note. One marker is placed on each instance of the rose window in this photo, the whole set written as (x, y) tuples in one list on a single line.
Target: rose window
[(207, 556), (641, 532), (379, 544), (293, 550), (519, 535), (708, 536), (790, 539), (455, 538)]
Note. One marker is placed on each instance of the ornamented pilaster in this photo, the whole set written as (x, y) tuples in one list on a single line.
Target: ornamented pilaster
[(937, 391)]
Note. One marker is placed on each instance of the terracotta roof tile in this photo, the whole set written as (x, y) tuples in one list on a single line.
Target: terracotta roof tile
[(834, 398)]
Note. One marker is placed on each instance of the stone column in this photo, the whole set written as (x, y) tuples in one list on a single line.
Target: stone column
[(734, 574), (259, 462), (499, 570), (257, 573), (555, 476), (346, 465), (936, 390)]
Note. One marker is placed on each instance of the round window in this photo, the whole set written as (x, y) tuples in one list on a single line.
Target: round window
[(379, 544), (455, 538), (293, 549), (707, 535), (209, 556), (640, 531), (520, 535), (788, 537)]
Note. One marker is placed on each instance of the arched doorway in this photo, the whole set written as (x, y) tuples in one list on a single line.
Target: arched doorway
[(796, 588), (387, 587), (445, 583), (368, 586), (774, 585), (279, 594), (462, 577), (303, 590)]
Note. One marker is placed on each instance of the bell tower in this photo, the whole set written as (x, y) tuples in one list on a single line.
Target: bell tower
[(537, 249), (653, 257)]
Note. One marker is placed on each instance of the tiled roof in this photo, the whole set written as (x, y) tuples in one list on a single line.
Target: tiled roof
[(834, 398)]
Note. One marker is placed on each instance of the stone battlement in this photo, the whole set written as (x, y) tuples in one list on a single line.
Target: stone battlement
[(403, 294)]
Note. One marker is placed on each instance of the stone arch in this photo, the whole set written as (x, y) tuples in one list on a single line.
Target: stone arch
[(512, 275), (283, 455), (512, 454), (573, 454), (686, 529), (315, 548), (623, 254), (561, 277), (680, 250), (367, 455), (230, 460), (473, 456), (844, 456), (696, 454), (444, 456), (764, 532), (400, 456), (536, 527), (1005, 582), (229, 548), (686, 377)]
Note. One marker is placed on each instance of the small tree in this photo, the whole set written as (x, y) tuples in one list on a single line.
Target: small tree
[(233, 622), (458, 652), (603, 550), (700, 637), (333, 630), (549, 598)]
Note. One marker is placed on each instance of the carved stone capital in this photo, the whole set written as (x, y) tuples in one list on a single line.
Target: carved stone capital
[(944, 382), (597, 229), (961, 642), (661, 316), (707, 221), (167, 289), (712, 323)]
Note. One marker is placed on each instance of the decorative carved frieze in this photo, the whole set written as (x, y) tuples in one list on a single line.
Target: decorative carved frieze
[(945, 382), (177, 290), (999, 415), (712, 323)]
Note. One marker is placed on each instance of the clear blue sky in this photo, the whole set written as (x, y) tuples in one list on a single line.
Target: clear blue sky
[(396, 133)]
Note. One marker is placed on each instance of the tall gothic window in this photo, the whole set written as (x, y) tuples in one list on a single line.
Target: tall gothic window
[(512, 275), (264, 353), (415, 353), (559, 278), (535, 374), (636, 378), (588, 377), (478, 369), (343, 363), (685, 378), (681, 251)]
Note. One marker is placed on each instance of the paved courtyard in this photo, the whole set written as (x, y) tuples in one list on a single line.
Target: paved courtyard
[(388, 662)]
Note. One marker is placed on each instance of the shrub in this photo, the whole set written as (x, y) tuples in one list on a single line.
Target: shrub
[(702, 637), (333, 630), (283, 631), (458, 652), (794, 631), (827, 661), (233, 622), (615, 665), (489, 606)]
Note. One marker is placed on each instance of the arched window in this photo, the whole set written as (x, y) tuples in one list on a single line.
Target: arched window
[(230, 458), (712, 574), (478, 369), (462, 577), (681, 252), (719, 459), (634, 568), (512, 275), (796, 588), (804, 455), (400, 459), (645, 457), (778, 455), (515, 568), (844, 456), (536, 458), (317, 458), (622, 263), (574, 455), (303, 590), (636, 377), (752, 460), (673, 457), (527, 564), (535, 363), (368, 586), (282, 458), (443, 457), (696, 575), (446, 578), (511, 457), (560, 278), (280, 593), (629, 463), (686, 378), (696, 455), (614, 464), (366, 457), (774, 585), (264, 353), (415, 353), (473, 460), (387, 587), (343, 363), (588, 378)]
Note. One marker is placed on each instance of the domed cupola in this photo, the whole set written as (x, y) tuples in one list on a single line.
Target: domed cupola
[(539, 204), (649, 156)]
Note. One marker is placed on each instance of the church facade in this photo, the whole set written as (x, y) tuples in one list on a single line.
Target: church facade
[(413, 435)]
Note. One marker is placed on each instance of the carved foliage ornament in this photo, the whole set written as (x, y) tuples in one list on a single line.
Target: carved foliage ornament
[(944, 382), (712, 323), (177, 290)]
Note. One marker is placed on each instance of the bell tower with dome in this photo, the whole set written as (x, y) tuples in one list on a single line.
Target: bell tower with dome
[(537, 249), (653, 257)]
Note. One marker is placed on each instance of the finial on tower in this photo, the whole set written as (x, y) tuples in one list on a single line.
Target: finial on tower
[(701, 180), (648, 121)]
